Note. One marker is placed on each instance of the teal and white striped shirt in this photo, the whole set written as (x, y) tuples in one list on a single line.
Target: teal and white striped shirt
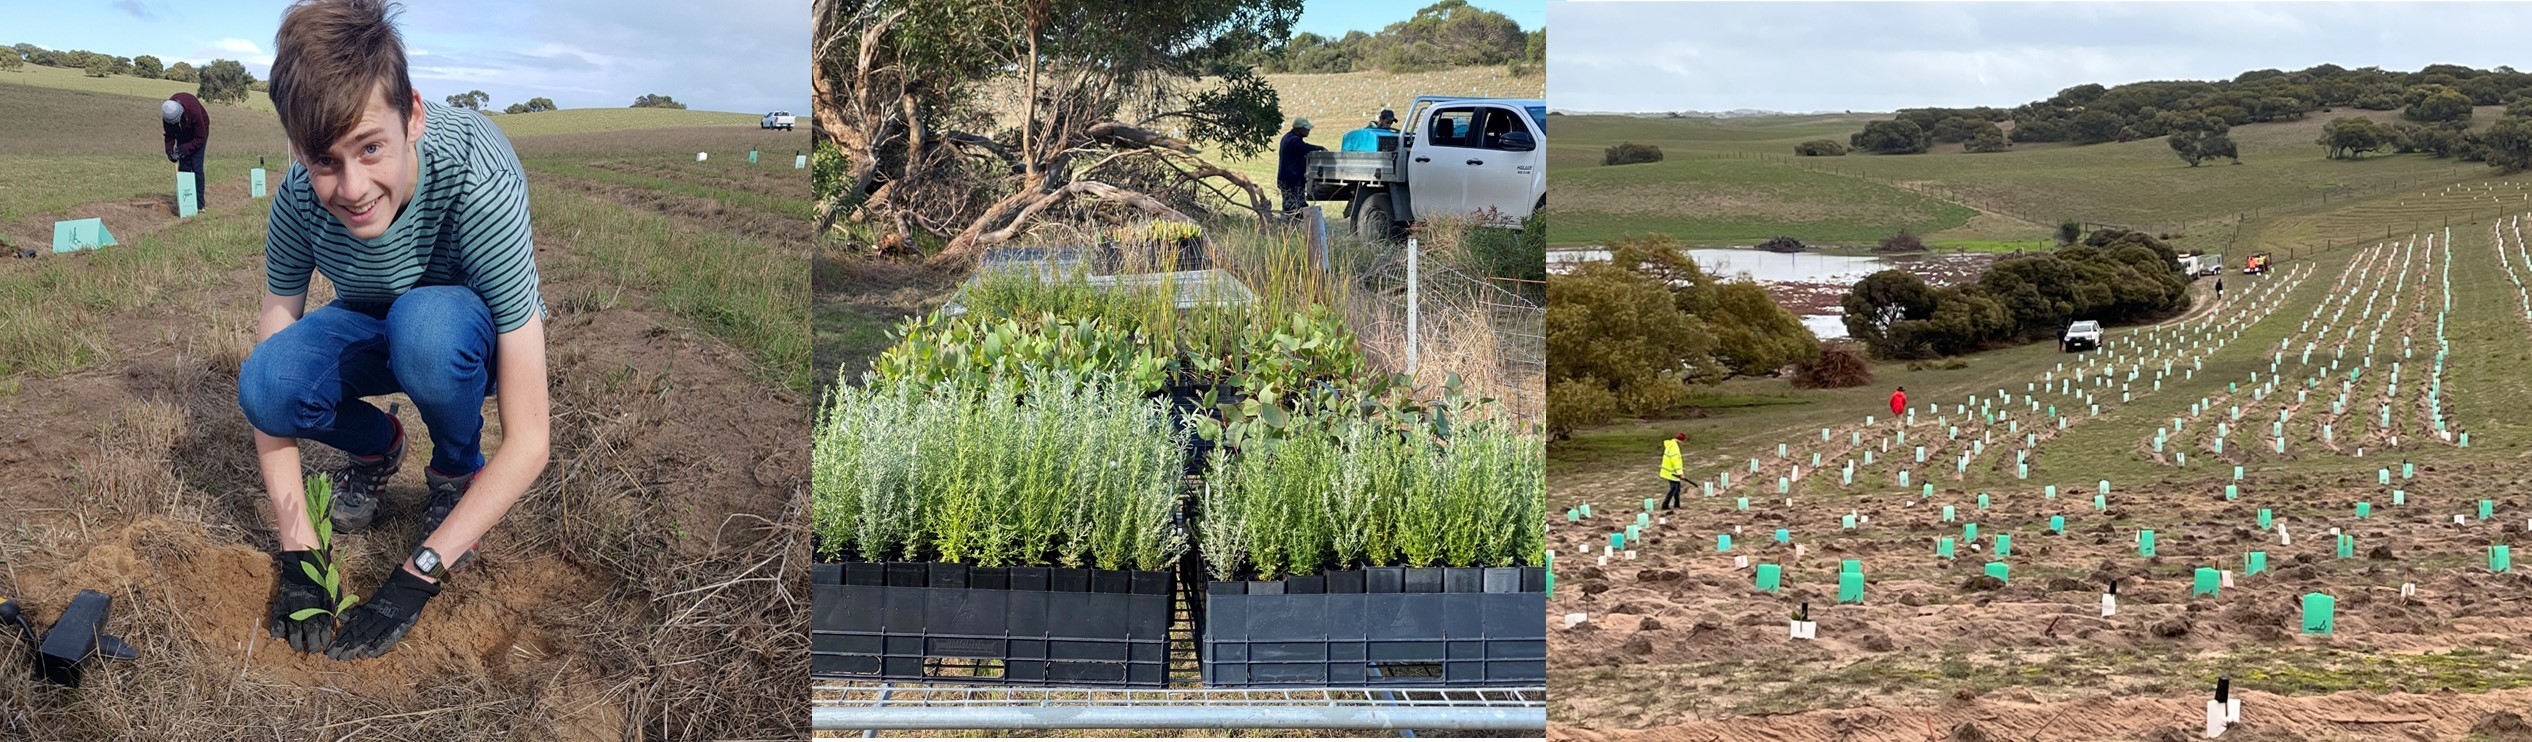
[(467, 225)]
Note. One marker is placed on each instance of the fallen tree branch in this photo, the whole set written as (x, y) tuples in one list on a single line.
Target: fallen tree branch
[(966, 247)]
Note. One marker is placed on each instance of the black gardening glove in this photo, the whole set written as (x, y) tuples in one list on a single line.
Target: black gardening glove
[(374, 627), (295, 592)]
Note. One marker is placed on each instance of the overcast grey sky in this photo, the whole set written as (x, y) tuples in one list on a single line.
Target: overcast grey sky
[(1802, 57)]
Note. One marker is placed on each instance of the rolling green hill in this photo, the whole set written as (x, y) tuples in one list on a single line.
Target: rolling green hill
[(1860, 197)]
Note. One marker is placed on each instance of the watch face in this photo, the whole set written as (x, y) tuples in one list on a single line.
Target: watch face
[(426, 560)]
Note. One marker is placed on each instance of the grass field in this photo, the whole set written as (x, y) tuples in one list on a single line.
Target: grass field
[(593, 120), (1936, 646), (2134, 183), (645, 575), (70, 79)]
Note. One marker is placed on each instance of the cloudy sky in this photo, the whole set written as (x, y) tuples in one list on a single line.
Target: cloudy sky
[(723, 55), (1803, 57)]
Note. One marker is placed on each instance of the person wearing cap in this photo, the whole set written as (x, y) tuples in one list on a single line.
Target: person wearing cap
[(1292, 159), (1672, 467), (1381, 135), (188, 129)]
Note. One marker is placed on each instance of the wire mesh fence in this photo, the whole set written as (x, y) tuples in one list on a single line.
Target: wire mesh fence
[(1430, 319)]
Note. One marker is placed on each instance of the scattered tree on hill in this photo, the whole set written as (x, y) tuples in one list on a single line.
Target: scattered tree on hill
[(1446, 34), (1958, 129), (2439, 140), (2437, 103), (182, 72), (1904, 241), (2350, 138), (2520, 108), (100, 67), (1892, 137), (2095, 127), (1820, 148), (1877, 304), (2219, 145), (1629, 153), (2068, 231), (224, 80), (148, 67), (1630, 333), (472, 100), (2508, 145), (650, 100), (533, 105), (1990, 140), (2198, 138), (11, 60)]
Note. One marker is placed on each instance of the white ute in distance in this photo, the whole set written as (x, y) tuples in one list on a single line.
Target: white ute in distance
[(2083, 335), (1458, 155)]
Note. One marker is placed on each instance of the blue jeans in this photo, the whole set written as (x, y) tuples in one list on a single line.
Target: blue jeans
[(434, 344)]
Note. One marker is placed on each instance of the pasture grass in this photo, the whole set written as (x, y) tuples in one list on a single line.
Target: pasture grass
[(58, 307), (750, 292), (2136, 183), (63, 78), (594, 120)]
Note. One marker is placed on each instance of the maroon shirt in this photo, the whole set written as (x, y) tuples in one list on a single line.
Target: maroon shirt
[(190, 132)]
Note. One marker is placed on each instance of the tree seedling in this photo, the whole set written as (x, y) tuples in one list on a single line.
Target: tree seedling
[(320, 501)]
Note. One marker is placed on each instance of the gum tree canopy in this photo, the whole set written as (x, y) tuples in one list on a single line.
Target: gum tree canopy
[(966, 119)]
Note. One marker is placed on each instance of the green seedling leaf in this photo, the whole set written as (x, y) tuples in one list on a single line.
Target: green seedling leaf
[(346, 603), (313, 575), (303, 613)]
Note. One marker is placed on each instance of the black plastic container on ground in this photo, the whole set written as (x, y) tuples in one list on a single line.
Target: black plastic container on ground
[(952, 623), (1379, 627)]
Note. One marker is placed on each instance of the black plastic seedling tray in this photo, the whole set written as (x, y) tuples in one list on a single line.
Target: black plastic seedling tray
[(1379, 627), (952, 623)]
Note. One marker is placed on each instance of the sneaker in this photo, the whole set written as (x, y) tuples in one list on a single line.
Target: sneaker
[(446, 491), (359, 485)]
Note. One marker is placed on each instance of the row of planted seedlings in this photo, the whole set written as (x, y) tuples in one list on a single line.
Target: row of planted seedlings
[(1016, 490)]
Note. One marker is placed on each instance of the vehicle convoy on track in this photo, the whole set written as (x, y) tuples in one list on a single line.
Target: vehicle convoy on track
[(2083, 335), (1458, 155)]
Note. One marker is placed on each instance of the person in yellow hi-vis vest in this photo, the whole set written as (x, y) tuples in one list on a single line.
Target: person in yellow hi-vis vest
[(1671, 468)]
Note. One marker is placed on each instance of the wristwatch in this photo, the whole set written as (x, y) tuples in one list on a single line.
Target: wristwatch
[(428, 563)]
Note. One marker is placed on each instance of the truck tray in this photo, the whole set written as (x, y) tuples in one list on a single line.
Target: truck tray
[(1354, 167)]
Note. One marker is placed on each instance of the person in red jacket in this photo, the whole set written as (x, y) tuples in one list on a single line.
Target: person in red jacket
[(1899, 401), (188, 129)]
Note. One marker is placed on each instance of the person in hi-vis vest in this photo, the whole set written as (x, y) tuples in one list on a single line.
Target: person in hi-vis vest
[(1671, 467)]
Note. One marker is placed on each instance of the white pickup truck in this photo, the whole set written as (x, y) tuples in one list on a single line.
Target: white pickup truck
[(1458, 155), (778, 120), (2083, 335)]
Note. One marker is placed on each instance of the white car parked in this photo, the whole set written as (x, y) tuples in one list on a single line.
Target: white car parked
[(778, 120), (1458, 155)]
